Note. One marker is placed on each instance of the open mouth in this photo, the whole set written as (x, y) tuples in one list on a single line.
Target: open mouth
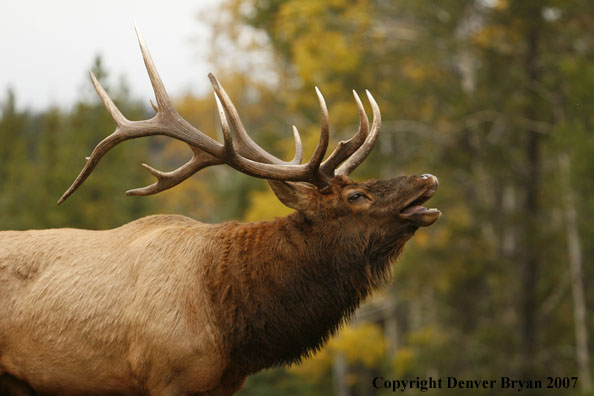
[(414, 209)]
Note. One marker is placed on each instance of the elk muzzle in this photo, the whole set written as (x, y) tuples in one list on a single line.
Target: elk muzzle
[(413, 209)]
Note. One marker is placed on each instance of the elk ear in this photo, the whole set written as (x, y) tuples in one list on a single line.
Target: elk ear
[(294, 195)]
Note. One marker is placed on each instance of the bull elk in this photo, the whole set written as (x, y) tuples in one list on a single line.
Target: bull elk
[(166, 305)]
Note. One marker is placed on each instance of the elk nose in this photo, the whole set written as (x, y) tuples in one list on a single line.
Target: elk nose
[(426, 176)]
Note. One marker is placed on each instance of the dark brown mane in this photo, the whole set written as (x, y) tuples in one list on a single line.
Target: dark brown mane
[(282, 301)]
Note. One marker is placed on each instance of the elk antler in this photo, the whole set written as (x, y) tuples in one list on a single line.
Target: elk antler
[(238, 151), (363, 150)]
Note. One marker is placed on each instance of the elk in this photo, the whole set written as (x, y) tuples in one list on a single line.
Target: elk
[(169, 306)]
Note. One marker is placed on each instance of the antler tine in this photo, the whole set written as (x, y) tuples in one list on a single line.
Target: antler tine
[(362, 152), (115, 113), (308, 172), (200, 160), (225, 128), (154, 106), (163, 101), (166, 180), (318, 155), (244, 144), (298, 147), (344, 149), (105, 145)]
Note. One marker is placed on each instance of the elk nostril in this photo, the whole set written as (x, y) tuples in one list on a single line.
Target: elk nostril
[(430, 177)]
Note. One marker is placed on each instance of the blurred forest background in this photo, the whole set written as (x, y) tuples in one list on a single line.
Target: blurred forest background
[(493, 97)]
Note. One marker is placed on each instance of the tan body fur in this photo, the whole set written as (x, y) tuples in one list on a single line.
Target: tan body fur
[(117, 307)]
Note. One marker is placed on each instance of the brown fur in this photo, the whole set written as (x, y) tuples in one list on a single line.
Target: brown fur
[(166, 305)]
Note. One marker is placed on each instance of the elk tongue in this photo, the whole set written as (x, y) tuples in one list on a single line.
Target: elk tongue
[(413, 209), (420, 215)]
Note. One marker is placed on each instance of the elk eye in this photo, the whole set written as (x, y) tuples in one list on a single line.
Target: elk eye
[(356, 196)]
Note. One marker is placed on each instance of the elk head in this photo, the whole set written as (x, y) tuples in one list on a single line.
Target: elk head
[(319, 190)]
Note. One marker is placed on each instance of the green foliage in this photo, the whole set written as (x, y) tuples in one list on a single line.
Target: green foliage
[(43, 152)]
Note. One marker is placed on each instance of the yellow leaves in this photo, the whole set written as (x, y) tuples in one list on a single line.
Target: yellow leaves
[(294, 16), (358, 13), (403, 361), (313, 53), (344, 111), (363, 344), (337, 38), (265, 206), (359, 344), (316, 367)]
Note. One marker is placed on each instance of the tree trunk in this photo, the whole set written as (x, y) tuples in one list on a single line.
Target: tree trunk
[(574, 251), (391, 327), (532, 259), (340, 373)]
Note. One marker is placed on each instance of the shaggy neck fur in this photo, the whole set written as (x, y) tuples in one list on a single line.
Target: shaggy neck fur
[(284, 287)]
